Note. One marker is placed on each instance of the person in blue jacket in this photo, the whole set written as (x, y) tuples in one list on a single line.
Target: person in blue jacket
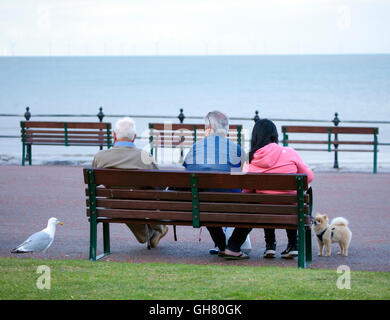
[(217, 153)]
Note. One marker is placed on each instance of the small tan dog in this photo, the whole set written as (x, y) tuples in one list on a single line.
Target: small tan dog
[(337, 231)]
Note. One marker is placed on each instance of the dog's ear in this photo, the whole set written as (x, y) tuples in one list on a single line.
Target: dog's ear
[(325, 217)]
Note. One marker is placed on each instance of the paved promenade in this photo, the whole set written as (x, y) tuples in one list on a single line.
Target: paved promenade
[(31, 195)]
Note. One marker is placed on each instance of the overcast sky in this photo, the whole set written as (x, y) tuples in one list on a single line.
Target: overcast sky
[(186, 27)]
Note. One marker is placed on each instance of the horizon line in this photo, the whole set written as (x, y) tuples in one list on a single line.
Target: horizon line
[(192, 55)]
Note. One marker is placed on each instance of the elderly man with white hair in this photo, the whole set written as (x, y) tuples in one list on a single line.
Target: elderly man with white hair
[(217, 153), (125, 155)]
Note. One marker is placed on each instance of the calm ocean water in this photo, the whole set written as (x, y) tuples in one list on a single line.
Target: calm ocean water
[(287, 87)]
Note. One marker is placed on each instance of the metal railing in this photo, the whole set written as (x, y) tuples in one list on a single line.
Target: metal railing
[(100, 115)]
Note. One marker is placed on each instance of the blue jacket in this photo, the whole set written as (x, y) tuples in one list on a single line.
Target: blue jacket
[(215, 153)]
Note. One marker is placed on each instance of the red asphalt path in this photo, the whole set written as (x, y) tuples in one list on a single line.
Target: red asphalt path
[(29, 196)]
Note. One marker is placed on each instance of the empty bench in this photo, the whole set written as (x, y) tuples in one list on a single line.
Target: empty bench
[(329, 141), (181, 136), (126, 203), (63, 134)]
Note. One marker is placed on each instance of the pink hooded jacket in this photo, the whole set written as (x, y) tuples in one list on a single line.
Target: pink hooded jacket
[(274, 158)]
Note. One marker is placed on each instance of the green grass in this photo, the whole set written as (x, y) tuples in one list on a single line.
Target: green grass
[(79, 279)]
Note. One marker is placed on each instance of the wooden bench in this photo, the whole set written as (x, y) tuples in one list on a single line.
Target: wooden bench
[(335, 142), (179, 135), (63, 134), (197, 207)]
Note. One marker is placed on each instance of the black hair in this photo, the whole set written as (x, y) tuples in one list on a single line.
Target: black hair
[(264, 132)]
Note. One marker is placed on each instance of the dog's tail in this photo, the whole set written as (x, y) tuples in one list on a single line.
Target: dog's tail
[(339, 221)]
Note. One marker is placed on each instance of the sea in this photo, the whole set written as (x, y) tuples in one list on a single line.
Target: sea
[(288, 89)]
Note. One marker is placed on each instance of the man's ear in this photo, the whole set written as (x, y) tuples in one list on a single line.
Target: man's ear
[(207, 131), (134, 137)]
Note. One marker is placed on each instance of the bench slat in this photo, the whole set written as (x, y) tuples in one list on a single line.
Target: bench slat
[(60, 124), (324, 129), (178, 134), (62, 141), (203, 224), (326, 142), (69, 144), (94, 132), (70, 136), (160, 178), (203, 196), (203, 206), (183, 126), (204, 216), (338, 150), (354, 130)]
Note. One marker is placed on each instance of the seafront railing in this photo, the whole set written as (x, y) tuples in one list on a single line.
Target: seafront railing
[(100, 115), (181, 117)]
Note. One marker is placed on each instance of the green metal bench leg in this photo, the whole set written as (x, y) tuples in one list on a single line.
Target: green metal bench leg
[(301, 224), (29, 154), (106, 238), (308, 247), (23, 154), (93, 240), (106, 241), (92, 237), (93, 222), (301, 248)]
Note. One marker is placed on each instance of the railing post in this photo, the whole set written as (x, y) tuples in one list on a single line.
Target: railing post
[(100, 116), (336, 122), (256, 117), (27, 114), (181, 116)]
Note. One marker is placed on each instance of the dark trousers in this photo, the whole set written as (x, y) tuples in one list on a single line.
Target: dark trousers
[(235, 242), (269, 235)]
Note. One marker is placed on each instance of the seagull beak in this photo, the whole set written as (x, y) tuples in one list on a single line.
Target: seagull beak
[(60, 223)]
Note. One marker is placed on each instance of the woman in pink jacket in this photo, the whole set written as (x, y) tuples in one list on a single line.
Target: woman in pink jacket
[(266, 156)]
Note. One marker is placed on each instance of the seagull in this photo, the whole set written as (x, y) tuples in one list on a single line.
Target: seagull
[(39, 241)]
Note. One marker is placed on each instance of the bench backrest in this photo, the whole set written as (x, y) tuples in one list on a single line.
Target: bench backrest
[(190, 201), (329, 129), (167, 135), (66, 133)]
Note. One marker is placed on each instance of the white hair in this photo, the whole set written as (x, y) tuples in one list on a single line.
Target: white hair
[(125, 128), (217, 122)]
